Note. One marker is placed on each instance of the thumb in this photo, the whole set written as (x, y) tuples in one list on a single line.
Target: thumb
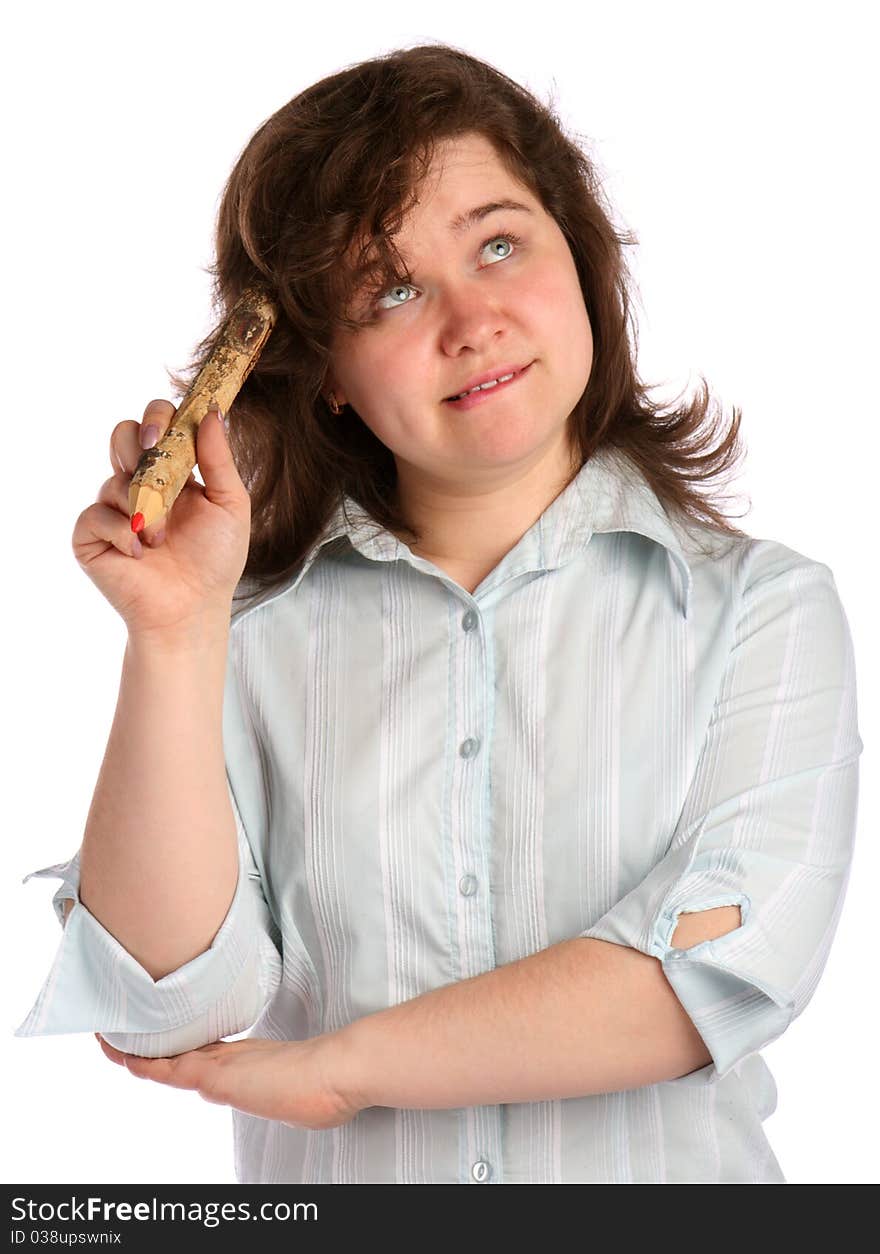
[(219, 472)]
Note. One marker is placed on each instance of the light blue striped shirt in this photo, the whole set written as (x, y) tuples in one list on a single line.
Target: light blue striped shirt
[(630, 717)]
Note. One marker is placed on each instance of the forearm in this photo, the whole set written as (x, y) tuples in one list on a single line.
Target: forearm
[(583, 1016), (159, 862)]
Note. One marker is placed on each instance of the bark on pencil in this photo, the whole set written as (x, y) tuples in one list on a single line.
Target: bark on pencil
[(164, 469)]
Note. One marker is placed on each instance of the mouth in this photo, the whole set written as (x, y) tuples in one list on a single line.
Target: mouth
[(484, 392)]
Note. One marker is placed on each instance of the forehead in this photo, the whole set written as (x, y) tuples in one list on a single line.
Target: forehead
[(466, 156), (463, 173)]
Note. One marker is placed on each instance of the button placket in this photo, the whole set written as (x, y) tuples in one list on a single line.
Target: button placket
[(468, 749), (474, 921)]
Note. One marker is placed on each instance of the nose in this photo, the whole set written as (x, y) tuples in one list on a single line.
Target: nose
[(471, 318)]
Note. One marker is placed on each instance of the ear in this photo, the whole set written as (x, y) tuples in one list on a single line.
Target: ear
[(330, 385)]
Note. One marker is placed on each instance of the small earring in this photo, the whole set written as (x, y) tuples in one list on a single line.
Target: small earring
[(331, 401)]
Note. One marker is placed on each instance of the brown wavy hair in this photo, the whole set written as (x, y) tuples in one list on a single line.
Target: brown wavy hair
[(310, 210)]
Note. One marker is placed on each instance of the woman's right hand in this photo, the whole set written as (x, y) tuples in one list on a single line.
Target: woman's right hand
[(191, 561)]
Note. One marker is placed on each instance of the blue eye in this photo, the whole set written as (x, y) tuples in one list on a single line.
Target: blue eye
[(399, 287), (500, 239), (506, 238)]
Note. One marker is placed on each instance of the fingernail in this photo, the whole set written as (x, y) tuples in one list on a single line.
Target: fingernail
[(149, 435), (137, 549), (159, 536)]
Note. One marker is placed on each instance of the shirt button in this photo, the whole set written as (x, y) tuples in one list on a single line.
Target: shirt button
[(481, 1171), (469, 747), (469, 621), (467, 885)]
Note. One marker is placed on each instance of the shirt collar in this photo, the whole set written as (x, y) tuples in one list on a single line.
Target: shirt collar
[(608, 494)]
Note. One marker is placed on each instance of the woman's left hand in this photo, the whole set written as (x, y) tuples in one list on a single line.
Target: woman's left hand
[(283, 1080)]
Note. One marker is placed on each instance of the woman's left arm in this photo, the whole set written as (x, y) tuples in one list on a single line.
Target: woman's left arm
[(582, 1016)]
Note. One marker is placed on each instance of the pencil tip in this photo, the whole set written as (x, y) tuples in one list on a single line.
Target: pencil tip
[(137, 523)]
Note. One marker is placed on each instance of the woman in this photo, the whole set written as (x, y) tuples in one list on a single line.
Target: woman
[(540, 776)]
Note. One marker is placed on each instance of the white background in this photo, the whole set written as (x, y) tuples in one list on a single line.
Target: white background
[(738, 142)]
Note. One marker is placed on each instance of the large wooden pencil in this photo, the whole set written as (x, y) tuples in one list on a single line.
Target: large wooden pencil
[(163, 470)]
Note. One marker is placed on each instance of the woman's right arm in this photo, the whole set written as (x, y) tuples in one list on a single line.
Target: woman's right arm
[(159, 859)]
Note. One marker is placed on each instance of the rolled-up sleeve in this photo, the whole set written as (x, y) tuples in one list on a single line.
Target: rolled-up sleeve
[(95, 985), (769, 820)]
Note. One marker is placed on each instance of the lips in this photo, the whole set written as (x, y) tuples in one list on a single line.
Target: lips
[(488, 377)]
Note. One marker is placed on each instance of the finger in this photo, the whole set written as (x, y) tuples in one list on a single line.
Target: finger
[(222, 481), (163, 1071), (128, 442), (99, 527), (129, 439), (156, 421), (109, 1052), (124, 449), (114, 492)]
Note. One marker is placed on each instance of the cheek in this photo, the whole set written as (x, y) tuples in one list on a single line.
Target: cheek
[(389, 373), (367, 380), (555, 304), (561, 325), (380, 387), (582, 338)]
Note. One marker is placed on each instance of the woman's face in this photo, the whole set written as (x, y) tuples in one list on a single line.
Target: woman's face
[(480, 304)]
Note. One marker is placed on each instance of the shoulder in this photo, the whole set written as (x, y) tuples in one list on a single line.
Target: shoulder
[(774, 574), (779, 593), (747, 560), (750, 575)]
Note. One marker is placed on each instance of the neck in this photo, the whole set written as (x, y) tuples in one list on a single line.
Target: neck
[(469, 528)]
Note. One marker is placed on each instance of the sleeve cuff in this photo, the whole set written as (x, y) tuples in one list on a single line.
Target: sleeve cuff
[(95, 985), (725, 984), (733, 1015)]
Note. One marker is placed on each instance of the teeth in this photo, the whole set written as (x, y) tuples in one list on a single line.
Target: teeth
[(484, 387)]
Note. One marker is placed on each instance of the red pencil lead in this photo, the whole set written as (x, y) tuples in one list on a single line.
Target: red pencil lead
[(137, 523)]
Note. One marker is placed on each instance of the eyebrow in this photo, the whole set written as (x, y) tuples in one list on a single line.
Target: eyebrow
[(462, 221)]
